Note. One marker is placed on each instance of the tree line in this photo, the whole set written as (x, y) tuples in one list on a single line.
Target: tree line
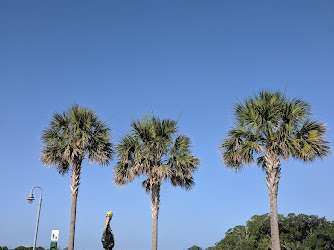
[(269, 129), (22, 248), (296, 232)]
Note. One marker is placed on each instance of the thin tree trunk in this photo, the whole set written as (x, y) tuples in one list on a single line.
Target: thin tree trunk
[(155, 204), (75, 182), (273, 174)]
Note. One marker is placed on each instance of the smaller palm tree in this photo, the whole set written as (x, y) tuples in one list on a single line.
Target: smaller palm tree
[(71, 137), (154, 150), (269, 128)]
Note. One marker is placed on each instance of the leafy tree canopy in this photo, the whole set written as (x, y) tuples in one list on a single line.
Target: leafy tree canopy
[(23, 248), (296, 232), (194, 247)]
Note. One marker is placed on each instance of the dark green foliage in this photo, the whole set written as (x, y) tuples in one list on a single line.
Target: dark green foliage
[(194, 247), (296, 232), (4, 248), (23, 248), (307, 232)]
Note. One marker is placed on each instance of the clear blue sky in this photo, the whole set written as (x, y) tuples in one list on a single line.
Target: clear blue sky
[(128, 58)]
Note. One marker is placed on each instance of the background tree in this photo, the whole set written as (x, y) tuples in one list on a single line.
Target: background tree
[(272, 128), (72, 136), (297, 232), (26, 248), (306, 232), (194, 247), (153, 149)]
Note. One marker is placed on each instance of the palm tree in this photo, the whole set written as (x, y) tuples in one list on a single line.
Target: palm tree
[(272, 128), (72, 136), (154, 150)]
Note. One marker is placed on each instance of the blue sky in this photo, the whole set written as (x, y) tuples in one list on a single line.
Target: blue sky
[(128, 58)]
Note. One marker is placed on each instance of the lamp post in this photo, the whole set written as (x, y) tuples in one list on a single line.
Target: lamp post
[(30, 200)]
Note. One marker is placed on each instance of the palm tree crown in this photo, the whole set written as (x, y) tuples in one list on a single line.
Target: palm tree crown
[(73, 135), (152, 150), (269, 122)]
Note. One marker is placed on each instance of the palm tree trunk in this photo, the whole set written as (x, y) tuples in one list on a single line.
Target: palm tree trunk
[(274, 223), (273, 174), (75, 182), (155, 204)]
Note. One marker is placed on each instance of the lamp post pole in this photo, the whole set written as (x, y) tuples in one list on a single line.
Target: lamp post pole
[(30, 200)]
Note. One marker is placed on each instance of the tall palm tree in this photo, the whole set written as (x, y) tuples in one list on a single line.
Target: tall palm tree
[(72, 136), (153, 149), (270, 128)]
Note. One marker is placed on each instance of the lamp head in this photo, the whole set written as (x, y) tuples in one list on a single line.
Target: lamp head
[(31, 198)]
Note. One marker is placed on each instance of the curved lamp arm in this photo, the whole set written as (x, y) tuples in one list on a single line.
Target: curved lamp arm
[(31, 196)]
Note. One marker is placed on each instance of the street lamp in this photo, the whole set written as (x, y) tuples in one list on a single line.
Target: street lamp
[(30, 200)]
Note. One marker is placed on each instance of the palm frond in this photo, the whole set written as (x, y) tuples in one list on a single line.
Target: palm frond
[(240, 146), (122, 174), (181, 146), (261, 112), (311, 143), (146, 184), (179, 181), (52, 158)]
